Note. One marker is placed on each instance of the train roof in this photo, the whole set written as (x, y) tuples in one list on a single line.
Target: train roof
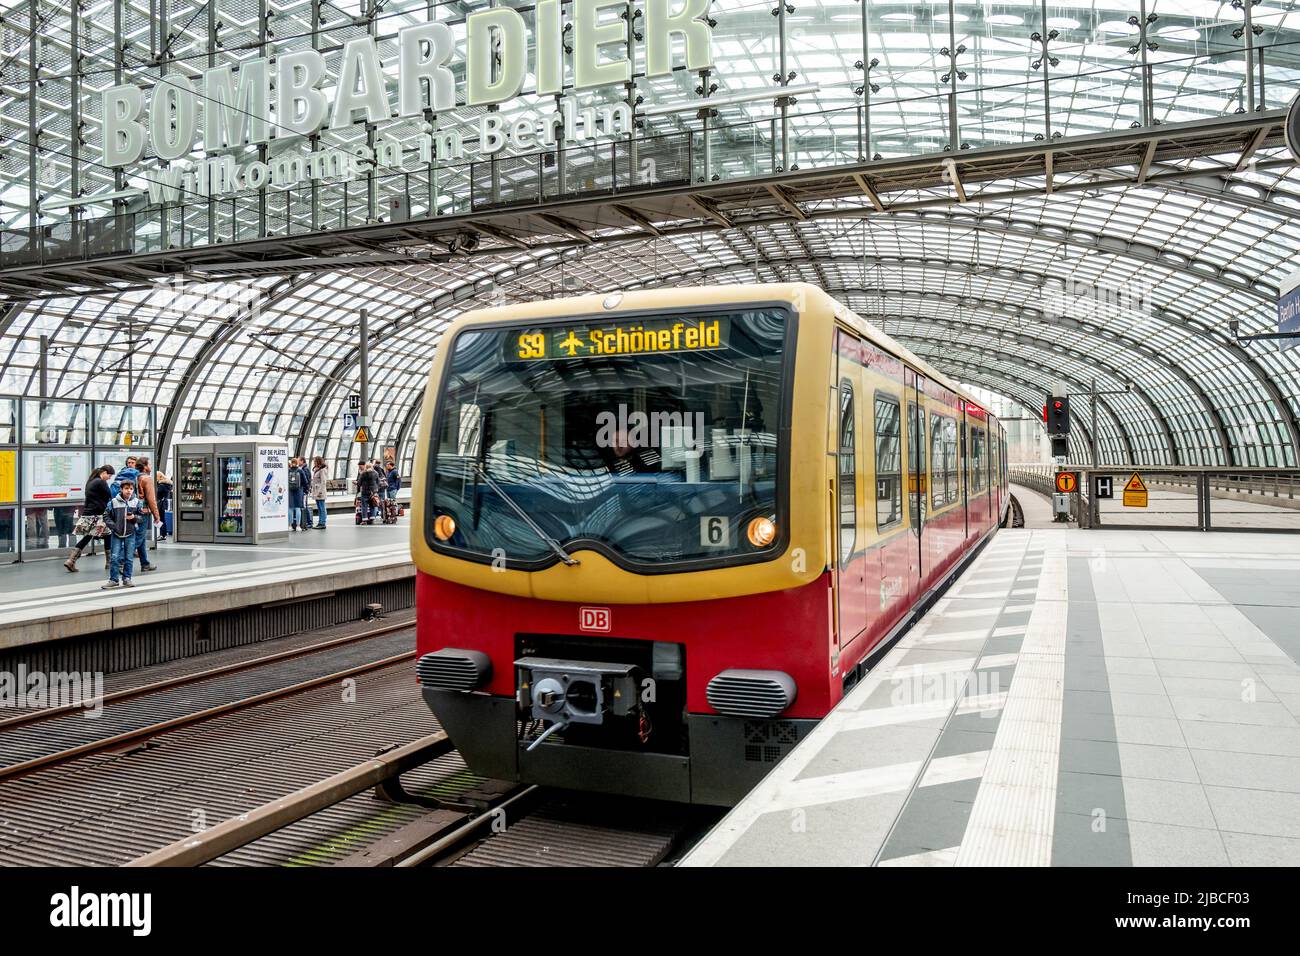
[(690, 295)]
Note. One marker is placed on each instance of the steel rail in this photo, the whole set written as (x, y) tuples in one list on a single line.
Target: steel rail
[(107, 743), (247, 827), (468, 830), (182, 679)]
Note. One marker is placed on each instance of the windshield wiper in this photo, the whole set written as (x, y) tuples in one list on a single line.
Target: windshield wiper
[(524, 516)]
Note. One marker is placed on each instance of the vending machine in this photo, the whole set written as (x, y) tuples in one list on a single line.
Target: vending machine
[(233, 490), (193, 506)]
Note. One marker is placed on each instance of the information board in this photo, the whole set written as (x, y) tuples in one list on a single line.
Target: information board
[(54, 474)]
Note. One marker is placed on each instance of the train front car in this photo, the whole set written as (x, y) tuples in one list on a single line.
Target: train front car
[(658, 534), (620, 532)]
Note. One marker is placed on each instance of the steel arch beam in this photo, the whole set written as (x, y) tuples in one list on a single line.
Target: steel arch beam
[(938, 358), (1034, 279), (1047, 371), (514, 272), (218, 339), (997, 381), (1045, 346)]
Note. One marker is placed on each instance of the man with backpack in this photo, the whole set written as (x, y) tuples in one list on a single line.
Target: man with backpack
[(297, 494), (124, 513)]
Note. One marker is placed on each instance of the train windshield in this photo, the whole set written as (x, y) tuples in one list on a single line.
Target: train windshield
[(652, 439)]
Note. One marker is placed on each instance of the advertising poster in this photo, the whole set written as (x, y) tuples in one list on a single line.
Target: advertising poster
[(273, 488), (54, 475), (8, 475)]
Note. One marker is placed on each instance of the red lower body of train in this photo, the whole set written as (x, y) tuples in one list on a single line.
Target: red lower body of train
[(690, 752)]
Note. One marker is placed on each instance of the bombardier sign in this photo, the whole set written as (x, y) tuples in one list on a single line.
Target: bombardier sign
[(292, 97)]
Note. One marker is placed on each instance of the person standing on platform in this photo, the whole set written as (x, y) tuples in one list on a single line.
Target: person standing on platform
[(124, 512), (145, 492), (368, 485), (297, 493), (392, 481), (164, 495), (318, 489), (306, 523), (92, 514)]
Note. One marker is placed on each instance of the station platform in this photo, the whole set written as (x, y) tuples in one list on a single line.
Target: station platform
[(1107, 698), (42, 601)]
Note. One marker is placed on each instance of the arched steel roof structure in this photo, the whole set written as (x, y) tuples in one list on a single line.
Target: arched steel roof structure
[(1127, 273)]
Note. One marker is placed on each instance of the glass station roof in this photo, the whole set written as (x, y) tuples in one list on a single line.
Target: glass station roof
[(1133, 288)]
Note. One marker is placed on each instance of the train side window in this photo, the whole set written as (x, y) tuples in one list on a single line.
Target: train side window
[(848, 474), (977, 465), (945, 478), (916, 472), (889, 463)]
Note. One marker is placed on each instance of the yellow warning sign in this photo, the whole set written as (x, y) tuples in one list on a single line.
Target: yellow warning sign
[(1135, 492), (362, 435), (1066, 482)]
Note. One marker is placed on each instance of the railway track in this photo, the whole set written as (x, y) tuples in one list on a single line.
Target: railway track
[(290, 774), (110, 807), (42, 738)]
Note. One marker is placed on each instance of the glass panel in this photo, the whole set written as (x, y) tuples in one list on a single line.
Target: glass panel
[(8, 530), (56, 423), (230, 479), (848, 475), (889, 463), (190, 482), (8, 421), (124, 425), (49, 527), (945, 477)]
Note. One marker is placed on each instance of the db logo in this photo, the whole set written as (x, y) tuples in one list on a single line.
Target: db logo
[(594, 619)]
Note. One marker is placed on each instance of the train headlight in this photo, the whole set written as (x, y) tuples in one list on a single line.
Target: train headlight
[(761, 532), (444, 526)]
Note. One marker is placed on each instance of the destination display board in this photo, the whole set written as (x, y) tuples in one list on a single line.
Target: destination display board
[(637, 337)]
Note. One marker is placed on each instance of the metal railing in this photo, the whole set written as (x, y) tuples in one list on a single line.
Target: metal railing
[(1204, 498)]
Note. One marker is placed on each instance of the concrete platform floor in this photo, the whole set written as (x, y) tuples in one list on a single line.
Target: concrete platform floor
[(43, 589), (1077, 699)]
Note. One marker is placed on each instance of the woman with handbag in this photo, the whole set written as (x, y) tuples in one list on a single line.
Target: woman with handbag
[(92, 512)]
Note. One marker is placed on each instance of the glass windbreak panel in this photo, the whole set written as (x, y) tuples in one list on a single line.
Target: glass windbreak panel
[(123, 425), (654, 439), (230, 480), (50, 527), (8, 421), (8, 530), (56, 423)]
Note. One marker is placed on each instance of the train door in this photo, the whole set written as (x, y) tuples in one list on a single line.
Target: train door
[(850, 564), (916, 479)]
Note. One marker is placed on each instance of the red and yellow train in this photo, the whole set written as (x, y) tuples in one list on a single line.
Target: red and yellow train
[(659, 534)]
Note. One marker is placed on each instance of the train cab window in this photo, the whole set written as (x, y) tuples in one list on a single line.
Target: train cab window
[(977, 464), (848, 474), (889, 463), (945, 476)]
